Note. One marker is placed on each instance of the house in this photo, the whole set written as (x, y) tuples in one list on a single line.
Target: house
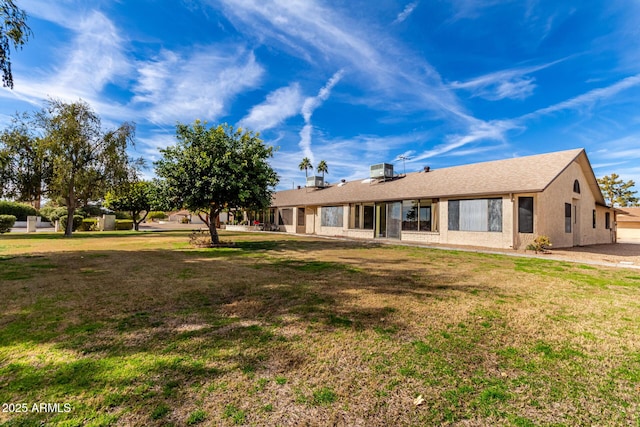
[(628, 225), (497, 204)]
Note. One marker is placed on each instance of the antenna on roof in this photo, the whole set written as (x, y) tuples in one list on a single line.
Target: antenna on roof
[(404, 157)]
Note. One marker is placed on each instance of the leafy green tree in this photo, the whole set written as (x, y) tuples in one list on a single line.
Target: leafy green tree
[(322, 167), (617, 192), (13, 31), (86, 161), (138, 198), (213, 168), (305, 165), (24, 165)]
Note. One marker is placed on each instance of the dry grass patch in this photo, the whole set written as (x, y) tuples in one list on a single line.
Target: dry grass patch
[(142, 329)]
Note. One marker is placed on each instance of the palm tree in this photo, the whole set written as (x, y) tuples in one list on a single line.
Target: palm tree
[(306, 165), (322, 167)]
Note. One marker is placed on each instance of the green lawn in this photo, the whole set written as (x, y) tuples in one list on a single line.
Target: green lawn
[(130, 328)]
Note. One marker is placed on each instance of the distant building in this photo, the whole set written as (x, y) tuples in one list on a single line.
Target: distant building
[(628, 220), (498, 204)]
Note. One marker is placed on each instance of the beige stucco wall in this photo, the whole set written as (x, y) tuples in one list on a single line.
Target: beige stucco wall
[(550, 212)]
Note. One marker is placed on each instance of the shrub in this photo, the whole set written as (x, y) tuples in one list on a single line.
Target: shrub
[(157, 215), (540, 244), (89, 224), (77, 222), (52, 213), (20, 210), (6, 222), (124, 224), (122, 215)]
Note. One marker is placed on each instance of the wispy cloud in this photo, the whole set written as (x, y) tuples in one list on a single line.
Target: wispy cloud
[(325, 38), (309, 106), (199, 85), (279, 105), (481, 131), (514, 83), (408, 10), (93, 59), (587, 99)]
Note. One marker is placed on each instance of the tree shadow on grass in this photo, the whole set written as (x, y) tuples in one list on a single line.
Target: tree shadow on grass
[(136, 322)]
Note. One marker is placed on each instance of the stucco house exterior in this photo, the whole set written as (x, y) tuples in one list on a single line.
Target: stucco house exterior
[(628, 220), (497, 204)]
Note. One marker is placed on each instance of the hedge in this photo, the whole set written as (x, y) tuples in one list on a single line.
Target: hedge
[(77, 222), (20, 210), (52, 214), (6, 222), (89, 224), (124, 224), (156, 215)]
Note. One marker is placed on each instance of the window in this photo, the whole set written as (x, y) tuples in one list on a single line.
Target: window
[(410, 212), (607, 220), (567, 217), (354, 216), (576, 186), (331, 216), (594, 218), (525, 214), (286, 216), (368, 217), (301, 217), (475, 215)]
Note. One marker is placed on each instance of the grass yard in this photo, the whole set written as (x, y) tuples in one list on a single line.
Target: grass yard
[(130, 328)]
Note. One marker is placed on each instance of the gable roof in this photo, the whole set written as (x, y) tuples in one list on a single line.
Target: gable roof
[(517, 175), (628, 215)]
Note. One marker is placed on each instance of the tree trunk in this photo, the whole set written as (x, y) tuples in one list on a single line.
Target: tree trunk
[(71, 210), (215, 239), (68, 228)]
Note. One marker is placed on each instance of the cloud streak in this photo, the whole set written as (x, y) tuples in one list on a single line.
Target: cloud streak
[(513, 83), (408, 10), (309, 106), (279, 105), (198, 85)]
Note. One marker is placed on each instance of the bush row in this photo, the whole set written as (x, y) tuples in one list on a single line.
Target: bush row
[(20, 210)]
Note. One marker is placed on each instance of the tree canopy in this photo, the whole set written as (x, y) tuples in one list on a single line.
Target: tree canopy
[(24, 164), (305, 165), (13, 31), (86, 161), (135, 197), (213, 168), (322, 167), (617, 192)]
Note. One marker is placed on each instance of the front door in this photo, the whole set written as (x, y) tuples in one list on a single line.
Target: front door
[(381, 220)]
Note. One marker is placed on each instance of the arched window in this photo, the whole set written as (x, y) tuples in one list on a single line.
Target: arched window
[(576, 186)]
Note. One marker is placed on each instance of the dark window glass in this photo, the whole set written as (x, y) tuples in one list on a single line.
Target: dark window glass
[(607, 220), (525, 214), (368, 217), (594, 218), (576, 186), (454, 215), (567, 217)]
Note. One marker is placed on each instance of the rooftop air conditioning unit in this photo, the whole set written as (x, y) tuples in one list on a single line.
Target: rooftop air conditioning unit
[(381, 171), (315, 182)]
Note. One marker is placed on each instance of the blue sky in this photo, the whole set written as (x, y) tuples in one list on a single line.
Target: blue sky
[(353, 83)]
